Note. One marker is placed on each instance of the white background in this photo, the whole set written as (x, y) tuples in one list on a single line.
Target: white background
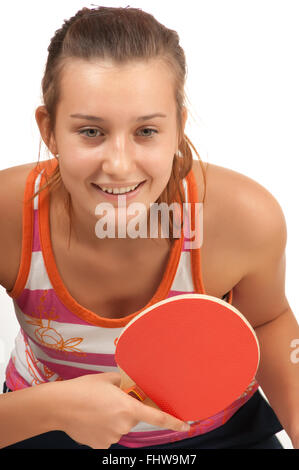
[(242, 87)]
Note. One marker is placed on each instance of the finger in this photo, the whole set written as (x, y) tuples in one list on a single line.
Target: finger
[(112, 377), (159, 418)]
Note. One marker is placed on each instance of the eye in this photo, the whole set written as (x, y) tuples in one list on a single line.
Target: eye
[(92, 133), (82, 132), (149, 132)]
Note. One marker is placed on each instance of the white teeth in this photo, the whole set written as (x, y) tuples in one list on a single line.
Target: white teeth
[(118, 190)]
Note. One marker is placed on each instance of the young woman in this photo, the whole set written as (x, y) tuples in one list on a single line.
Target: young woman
[(113, 117)]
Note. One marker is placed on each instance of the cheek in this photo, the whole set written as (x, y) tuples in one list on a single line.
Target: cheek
[(160, 175), (73, 163), (69, 170), (160, 167), (72, 170)]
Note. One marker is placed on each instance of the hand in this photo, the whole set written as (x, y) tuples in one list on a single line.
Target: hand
[(94, 411)]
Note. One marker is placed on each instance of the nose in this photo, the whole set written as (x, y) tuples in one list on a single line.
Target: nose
[(118, 159)]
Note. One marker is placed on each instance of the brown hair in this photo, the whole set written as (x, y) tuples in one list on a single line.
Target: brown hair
[(121, 34)]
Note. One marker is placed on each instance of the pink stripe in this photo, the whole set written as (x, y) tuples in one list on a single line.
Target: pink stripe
[(44, 304), (185, 245), (13, 379), (80, 357), (36, 240), (68, 372), (172, 293)]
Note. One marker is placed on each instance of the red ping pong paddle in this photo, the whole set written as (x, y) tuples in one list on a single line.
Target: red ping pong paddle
[(190, 355)]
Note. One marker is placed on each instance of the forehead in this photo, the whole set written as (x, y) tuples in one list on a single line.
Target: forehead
[(105, 84)]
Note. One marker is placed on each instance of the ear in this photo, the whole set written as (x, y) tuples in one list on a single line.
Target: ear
[(43, 121)]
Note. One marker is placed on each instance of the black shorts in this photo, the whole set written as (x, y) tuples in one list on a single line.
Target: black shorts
[(253, 426)]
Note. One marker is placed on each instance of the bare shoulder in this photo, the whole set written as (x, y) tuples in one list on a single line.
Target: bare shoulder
[(12, 186), (247, 215), (253, 211)]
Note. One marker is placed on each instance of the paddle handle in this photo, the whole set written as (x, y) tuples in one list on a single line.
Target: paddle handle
[(128, 386), (136, 392)]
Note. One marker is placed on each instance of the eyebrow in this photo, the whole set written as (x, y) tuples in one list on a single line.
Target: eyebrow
[(97, 118)]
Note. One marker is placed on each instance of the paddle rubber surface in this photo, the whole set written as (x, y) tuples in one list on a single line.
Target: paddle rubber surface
[(191, 354)]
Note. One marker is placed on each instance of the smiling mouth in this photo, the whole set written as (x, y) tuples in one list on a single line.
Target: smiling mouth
[(110, 191), (118, 191)]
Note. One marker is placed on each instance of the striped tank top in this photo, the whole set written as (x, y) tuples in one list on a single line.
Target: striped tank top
[(59, 339)]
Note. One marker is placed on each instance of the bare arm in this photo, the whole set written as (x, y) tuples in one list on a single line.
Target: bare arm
[(27, 413), (91, 409), (260, 296), (278, 375)]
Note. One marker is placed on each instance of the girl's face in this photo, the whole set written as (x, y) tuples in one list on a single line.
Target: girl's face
[(115, 126)]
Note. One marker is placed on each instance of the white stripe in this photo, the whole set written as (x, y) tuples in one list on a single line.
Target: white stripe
[(183, 281), (36, 187), (185, 189), (38, 277), (40, 354)]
